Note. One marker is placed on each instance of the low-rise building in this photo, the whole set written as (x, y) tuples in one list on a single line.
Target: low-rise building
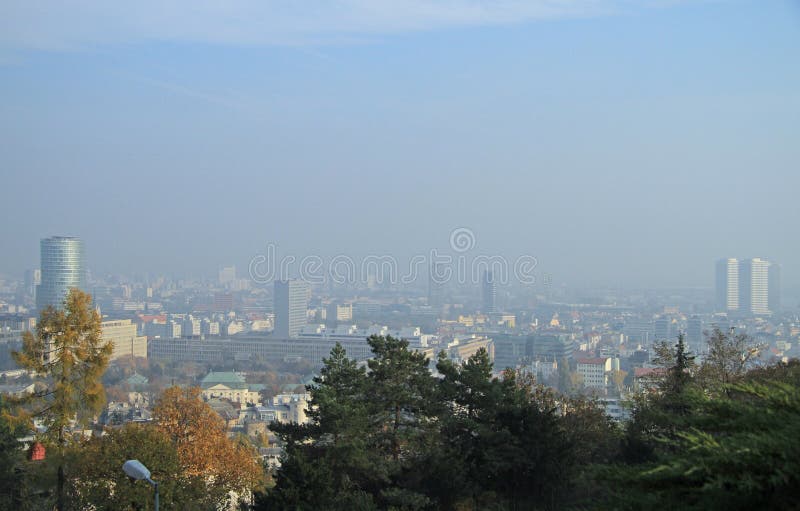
[(122, 333), (594, 371), (231, 386)]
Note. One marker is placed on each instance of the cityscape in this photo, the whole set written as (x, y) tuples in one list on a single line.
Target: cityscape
[(403, 256)]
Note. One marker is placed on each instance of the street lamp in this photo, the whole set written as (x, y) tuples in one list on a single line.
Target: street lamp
[(135, 470)]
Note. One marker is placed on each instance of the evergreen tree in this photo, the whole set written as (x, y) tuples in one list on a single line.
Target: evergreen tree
[(733, 453), (327, 464), (401, 388), (469, 395), (402, 408)]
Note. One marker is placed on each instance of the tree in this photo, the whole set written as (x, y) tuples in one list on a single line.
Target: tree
[(401, 387), (402, 408), (98, 481), (469, 395), (730, 355), (69, 352), (738, 451), (618, 381), (338, 398), (664, 413), (679, 374), (203, 448), (327, 464), (11, 458)]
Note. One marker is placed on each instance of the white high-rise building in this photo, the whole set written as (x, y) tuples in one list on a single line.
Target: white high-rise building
[(749, 286), (754, 286), (488, 293), (290, 304), (774, 287), (227, 275), (727, 285)]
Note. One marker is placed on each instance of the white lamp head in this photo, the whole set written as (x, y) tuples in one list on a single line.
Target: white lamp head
[(134, 469)]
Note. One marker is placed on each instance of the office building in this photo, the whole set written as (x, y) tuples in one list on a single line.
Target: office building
[(594, 371), (754, 286), (509, 350), (290, 304), (227, 275), (33, 278), (191, 327), (488, 293), (774, 291), (638, 330), (663, 328), (436, 281), (549, 346), (694, 334), (336, 312), (122, 333), (62, 268), (727, 285)]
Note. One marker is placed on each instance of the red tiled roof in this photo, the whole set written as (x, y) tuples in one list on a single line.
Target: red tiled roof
[(593, 361), (147, 318), (639, 372)]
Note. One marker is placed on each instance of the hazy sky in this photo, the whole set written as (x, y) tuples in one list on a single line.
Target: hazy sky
[(619, 142)]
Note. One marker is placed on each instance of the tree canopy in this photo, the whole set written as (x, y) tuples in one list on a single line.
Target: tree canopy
[(203, 447), (397, 437), (68, 351)]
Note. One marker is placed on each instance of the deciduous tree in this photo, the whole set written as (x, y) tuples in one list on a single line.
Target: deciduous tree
[(68, 351), (203, 448), (730, 355), (98, 481)]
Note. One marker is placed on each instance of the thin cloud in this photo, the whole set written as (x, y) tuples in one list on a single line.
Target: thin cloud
[(59, 25)]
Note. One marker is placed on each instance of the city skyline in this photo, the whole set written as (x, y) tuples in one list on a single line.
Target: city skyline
[(402, 272)]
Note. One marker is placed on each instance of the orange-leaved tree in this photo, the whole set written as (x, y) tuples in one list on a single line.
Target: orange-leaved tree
[(203, 446)]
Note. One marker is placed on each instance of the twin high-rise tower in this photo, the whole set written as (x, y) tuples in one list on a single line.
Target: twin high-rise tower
[(748, 286)]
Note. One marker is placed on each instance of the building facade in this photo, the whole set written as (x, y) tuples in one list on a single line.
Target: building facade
[(290, 306), (727, 284), (62, 268), (694, 334), (748, 286), (122, 333), (594, 371), (754, 286), (488, 293)]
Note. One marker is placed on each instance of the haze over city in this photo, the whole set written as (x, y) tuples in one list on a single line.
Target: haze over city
[(400, 255), (620, 143)]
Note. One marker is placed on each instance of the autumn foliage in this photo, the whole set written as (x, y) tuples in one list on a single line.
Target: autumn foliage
[(203, 447)]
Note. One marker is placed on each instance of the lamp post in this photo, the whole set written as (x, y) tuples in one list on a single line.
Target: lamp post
[(135, 470)]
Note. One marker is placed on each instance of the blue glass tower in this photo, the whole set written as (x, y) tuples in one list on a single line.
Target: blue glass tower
[(62, 269)]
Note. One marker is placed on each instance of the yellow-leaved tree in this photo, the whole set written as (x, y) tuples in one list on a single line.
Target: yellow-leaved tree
[(68, 354)]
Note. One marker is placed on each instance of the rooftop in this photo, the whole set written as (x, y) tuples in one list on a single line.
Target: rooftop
[(226, 378)]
